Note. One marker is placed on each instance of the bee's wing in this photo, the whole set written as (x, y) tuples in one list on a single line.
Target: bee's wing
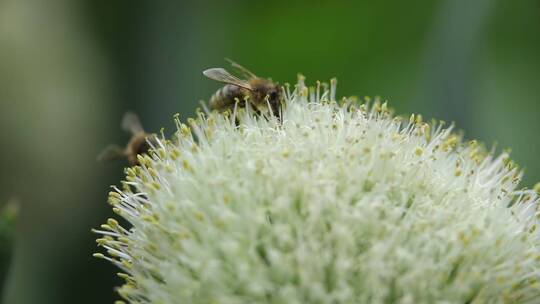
[(242, 69), (131, 123), (222, 75), (111, 152)]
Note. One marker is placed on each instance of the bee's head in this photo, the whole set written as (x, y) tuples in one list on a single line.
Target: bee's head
[(266, 92)]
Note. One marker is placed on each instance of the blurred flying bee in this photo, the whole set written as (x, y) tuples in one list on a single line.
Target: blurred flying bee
[(138, 144), (263, 95)]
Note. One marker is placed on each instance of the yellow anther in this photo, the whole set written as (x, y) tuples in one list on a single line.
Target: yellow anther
[(141, 159), (199, 216), (185, 130), (175, 153), (112, 222), (286, 153), (162, 153), (186, 165), (153, 172), (536, 188), (115, 194), (127, 264)]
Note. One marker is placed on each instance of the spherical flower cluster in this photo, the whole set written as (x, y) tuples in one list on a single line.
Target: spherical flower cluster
[(329, 202)]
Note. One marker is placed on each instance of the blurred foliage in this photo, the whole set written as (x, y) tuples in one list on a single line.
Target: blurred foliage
[(70, 68), (8, 217)]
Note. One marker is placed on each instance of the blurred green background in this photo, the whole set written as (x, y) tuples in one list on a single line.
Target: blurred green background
[(69, 69)]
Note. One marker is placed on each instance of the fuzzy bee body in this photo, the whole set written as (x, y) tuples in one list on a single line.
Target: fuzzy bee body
[(226, 97), (138, 144), (263, 95)]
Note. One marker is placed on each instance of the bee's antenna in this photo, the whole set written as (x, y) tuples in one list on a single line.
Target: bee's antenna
[(242, 69)]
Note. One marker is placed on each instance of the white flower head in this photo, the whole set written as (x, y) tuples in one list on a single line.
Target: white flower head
[(332, 202)]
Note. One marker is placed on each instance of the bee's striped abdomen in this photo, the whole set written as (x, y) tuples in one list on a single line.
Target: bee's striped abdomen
[(225, 98)]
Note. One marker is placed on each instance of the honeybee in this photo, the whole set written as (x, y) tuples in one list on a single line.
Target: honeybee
[(138, 144), (262, 94)]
